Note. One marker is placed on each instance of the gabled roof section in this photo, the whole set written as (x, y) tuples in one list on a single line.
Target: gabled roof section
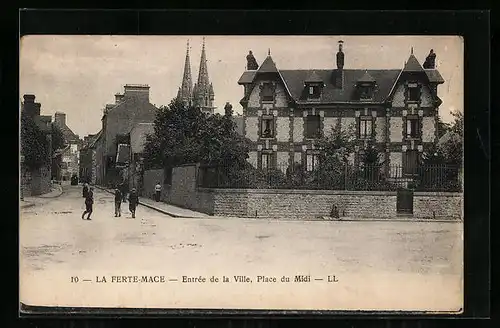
[(95, 139), (247, 77), (366, 78), (268, 66), (412, 65), (434, 76), (314, 78)]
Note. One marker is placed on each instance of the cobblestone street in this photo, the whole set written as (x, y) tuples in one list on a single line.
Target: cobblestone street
[(378, 265)]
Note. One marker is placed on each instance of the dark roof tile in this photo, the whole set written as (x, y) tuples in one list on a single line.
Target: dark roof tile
[(385, 78), (412, 65), (314, 78), (434, 76), (247, 77), (366, 78), (268, 66)]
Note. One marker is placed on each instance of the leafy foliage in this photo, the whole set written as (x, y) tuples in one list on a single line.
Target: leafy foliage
[(187, 135), (58, 140), (34, 143)]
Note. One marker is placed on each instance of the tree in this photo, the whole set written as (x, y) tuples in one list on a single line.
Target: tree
[(452, 147), (34, 143), (58, 140), (184, 134), (336, 147)]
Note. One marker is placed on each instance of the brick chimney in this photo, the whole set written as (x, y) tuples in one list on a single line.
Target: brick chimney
[(60, 118), (339, 76), (139, 92), (118, 98), (30, 107)]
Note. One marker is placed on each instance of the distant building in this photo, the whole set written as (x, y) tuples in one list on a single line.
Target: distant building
[(286, 111), (130, 108), (138, 136), (69, 156), (201, 94), (88, 158)]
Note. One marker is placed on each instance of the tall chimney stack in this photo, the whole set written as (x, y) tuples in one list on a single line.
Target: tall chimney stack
[(60, 118), (339, 81)]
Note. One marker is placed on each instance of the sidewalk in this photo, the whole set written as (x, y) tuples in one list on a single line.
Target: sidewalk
[(32, 200), (174, 211)]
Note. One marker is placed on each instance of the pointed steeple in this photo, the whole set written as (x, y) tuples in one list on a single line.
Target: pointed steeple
[(185, 93), (203, 95)]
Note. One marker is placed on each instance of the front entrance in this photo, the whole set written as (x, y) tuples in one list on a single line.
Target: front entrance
[(404, 203)]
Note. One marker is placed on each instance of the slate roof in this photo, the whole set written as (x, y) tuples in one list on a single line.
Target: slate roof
[(247, 77), (412, 65), (313, 78), (68, 134), (434, 76), (268, 66), (366, 78), (385, 79)]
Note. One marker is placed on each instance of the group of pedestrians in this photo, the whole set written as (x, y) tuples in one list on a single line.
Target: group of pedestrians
[(120, 196)]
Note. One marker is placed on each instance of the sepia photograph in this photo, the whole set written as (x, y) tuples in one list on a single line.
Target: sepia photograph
[(320, 173)]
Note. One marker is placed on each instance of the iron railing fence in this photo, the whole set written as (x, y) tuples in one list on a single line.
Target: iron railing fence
[(340, 177)]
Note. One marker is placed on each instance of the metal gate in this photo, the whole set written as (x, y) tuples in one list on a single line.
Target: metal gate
[(404, 203)]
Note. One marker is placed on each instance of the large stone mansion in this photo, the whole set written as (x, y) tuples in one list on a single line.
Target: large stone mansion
[(286, 111)]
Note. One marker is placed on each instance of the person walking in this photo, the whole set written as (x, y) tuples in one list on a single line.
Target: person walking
[(89, 201), (158, 192), (133, 201), (123, 188), (118, 202), (85, 190)]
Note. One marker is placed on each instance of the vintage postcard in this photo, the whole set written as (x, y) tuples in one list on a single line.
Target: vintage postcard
[(242, 172)]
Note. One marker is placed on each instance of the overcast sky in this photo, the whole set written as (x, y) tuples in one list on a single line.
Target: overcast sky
[(79, 75)]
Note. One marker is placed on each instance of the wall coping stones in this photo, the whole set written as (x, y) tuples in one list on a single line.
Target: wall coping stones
[(299, 191), (437, 194)]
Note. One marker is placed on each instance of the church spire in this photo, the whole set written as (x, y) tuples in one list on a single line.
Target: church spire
[(203, 93), (185, 93)]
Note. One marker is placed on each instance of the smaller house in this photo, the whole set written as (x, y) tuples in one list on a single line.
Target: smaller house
[(69, 156), (88, 158), (138, 136)]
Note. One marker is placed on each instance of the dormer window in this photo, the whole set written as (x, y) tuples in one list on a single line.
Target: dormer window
[(366, 92), (366, 86), (313, 84)]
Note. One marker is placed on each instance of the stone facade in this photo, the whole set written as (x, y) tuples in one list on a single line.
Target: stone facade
[(396, 109), (119, 119), (35, 182)]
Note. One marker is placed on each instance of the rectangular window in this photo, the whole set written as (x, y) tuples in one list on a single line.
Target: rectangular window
[(413, 93), (313, 126), (267, 92), (267, 128), (366, 92), (365, 127), (411, 162), (312, 162), (311, 91), (412, 127), (266, 161)]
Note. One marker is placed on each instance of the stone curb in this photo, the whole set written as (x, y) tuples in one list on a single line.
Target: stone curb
[(27, 205), (59, 193)]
